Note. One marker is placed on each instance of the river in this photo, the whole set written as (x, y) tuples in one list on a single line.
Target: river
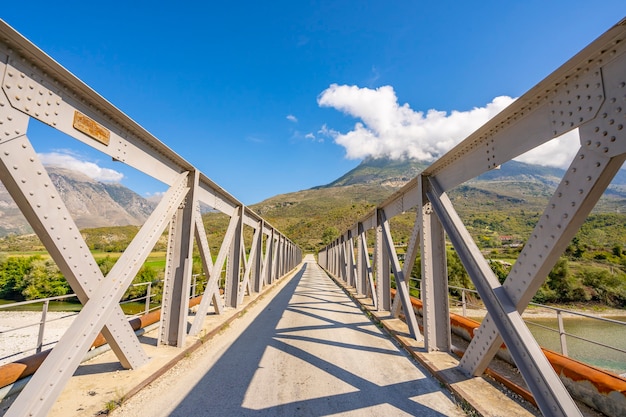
[(606, 333)]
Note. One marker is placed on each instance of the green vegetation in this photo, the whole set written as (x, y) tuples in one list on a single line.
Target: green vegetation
[(499, 212)]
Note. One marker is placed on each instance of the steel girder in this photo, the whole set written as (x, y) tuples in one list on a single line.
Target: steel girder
[(587, 93), (178, 269), (365, 285), (434, 290), (50, 379), (548, 390), (402, 286), (34, 86)]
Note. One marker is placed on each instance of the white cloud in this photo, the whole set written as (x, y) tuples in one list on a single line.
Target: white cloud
[(292, 118), (91, 169), (396, 131), (388, 129), (558, 152)]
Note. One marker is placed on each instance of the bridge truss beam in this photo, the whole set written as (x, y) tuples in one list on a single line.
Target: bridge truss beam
[(34, 86), (587, 93)]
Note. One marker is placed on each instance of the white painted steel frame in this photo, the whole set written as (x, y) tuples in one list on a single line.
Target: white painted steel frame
[(35, 86), (589, 93)]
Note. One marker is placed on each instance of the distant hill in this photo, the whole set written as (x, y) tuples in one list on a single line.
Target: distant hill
[(92, 203), (309, 217), (382, 171), (312, 217)]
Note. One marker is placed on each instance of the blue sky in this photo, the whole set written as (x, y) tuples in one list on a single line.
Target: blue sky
[(270, 97)]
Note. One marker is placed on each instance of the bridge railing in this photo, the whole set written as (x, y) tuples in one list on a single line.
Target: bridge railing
[(587, 93), (34, 86)]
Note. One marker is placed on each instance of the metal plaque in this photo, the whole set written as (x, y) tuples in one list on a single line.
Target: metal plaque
[(91, 128)]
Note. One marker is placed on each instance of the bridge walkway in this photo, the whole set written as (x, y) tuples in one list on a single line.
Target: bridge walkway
[(303, 347), (308, 351)]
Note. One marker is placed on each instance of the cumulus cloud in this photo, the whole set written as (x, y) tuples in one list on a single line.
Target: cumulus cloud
[(91, 169), (558, 152), (388, 129), (292, 118)]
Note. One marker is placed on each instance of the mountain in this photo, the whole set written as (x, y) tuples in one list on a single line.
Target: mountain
[(310, 217), (380, 171), (92, 203)]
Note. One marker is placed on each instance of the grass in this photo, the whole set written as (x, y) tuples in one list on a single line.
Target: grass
[(114, 403)]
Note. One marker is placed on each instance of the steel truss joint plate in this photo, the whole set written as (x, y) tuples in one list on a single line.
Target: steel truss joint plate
[(26, 91)]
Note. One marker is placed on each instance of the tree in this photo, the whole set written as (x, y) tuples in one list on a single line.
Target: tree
[(330, 234), (12, 272), (44, 280), (559, 280)]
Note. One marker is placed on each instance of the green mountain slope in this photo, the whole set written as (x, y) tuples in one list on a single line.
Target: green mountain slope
[(503, 202)]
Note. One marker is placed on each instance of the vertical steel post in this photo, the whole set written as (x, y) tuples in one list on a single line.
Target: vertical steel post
[(174, 310), (383, 275), (257, 261), (233, 269), (434, 294), (351, 263)]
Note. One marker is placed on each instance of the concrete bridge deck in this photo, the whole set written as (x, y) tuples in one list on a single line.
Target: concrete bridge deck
[(303, 348)]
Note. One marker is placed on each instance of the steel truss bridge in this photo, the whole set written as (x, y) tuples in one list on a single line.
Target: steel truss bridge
[(587, 93)]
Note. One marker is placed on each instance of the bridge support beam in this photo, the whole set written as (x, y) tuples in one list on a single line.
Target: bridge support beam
[(587, 93), (211, 288), (257, 261), (177, 285), (402, 288), (351, 278), (26, 179), (269, 259), (434, 292), (251, 263), (365, 284), (383, 273), (547, 388), (233, 264), (45, 386)]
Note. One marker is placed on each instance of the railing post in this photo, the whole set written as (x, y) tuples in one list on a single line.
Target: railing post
[(464, 302), (42, 325), (148, 296), (562, 336)]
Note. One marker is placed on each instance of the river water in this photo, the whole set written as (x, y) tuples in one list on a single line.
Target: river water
[(605, 333), (602, 332)]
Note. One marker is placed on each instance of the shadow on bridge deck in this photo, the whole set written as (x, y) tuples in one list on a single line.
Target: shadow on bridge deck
[(306, 349)]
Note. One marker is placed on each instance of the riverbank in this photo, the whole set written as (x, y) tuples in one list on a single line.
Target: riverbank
[(547, 312), (19, 332)]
